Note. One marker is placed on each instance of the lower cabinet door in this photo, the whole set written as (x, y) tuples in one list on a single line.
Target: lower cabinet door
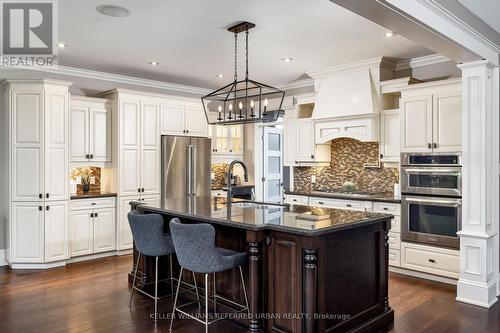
[(124, 234), (152, 200), (81, 232), (27, 232), (104, 230), (56, 231)]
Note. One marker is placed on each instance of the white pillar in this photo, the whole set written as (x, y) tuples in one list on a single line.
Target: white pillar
[(479, 272)]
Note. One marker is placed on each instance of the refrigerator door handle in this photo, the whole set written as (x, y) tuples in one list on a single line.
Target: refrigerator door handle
[(194, 153), (189, 170)]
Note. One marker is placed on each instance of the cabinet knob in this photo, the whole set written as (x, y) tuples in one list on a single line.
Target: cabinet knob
[(434, 145), (385, 208), (91, 156), (312, 156), (91, 214), (429, 146), (96, 214), (321, 202), (142, 190)]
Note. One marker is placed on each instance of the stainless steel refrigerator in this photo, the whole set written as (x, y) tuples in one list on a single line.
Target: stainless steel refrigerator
[(185, 166)]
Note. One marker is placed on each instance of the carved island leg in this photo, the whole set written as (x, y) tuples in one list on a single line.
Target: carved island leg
[(255, 274), (385, 269), (309, 289)]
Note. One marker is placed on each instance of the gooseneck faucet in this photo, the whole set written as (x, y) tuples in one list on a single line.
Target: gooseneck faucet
[(230, 174)]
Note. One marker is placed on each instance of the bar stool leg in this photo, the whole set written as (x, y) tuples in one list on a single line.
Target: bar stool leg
[(171, 275), (175, 299), (196, 288), (156, 290), (215, 295), (206, 303), (244, 289), (135, 277)]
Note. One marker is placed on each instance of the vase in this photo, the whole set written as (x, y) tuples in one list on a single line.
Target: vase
[(85, 188)]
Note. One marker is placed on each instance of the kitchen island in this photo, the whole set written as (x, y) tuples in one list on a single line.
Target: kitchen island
[(309, 270)]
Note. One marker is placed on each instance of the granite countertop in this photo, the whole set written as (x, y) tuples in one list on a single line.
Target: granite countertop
[(92, 195), (389, 198), (296, 219)]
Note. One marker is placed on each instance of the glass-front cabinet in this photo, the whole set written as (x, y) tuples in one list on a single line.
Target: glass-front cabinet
[(227, 140)]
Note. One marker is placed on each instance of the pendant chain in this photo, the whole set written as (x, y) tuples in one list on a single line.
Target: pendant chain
[(246, 56), (235, 57)]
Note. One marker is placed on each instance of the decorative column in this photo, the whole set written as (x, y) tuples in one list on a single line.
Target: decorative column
[(310, 289), (254, 287), (479, 251)]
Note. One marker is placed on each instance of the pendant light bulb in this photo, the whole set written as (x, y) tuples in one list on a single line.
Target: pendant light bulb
[(240, 105), (219, 108), (252, 103), (230, 107)]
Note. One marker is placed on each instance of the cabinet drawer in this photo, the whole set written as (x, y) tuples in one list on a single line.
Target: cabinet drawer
[(396, 224), (394, 240), (365, 206), (429, 259), (394, 257), (390, 208), (297, 199), (79, 204)]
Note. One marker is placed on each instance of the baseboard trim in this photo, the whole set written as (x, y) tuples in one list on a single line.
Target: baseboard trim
[(423, 275), (38, 266), (91, 257), (124, 252), (3, 262)]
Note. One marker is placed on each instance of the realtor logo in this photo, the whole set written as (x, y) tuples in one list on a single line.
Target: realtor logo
[(28, 32)]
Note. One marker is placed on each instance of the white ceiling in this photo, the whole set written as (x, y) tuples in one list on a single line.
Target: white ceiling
[(486, 10), (189, 39)]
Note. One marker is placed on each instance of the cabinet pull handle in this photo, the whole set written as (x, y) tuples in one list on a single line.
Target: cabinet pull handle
[(295, 200), (321, 202), (429, 146), (142, 190), (312, 157), (385, 208), (432, 260), (349, 205), (47, 195), (139, 190), (91, 156), (91, 214), (434, 145), (40, 208), (47, 208), (96, 214), (94, 203), (40, 196)]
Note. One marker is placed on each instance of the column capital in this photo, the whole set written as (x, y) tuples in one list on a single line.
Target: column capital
[(485, 63)]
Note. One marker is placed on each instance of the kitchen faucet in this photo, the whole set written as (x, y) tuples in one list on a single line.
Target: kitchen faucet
[(229, 177)]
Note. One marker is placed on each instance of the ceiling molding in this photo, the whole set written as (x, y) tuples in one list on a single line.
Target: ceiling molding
[(339, 69), (421, 61), (296, 84), (117, 78)]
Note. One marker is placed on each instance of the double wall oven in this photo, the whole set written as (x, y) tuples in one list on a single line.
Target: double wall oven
[(431, 187)]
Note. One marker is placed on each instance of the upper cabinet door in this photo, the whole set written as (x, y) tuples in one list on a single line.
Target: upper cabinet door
[(150, 125), (172, 119), (305, 137), (416, 124), (130, 152), (150, 171), (56, 146), (390, 140), (100, 134), (196, 122), (56, 231), (79, 134), (290, 139), (27, 145), (447, 117)]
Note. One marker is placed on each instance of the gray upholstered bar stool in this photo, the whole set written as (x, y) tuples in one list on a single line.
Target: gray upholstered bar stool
[(150, 240), (196, 252)]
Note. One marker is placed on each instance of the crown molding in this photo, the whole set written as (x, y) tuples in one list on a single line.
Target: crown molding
[(296, 84), (117, 78), (344, 68), (421, 61)]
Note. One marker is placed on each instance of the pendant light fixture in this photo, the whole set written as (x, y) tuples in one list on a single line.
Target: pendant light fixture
[(242, 101)]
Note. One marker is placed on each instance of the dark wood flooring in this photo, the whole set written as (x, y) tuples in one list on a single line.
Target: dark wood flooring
[(93, 297)]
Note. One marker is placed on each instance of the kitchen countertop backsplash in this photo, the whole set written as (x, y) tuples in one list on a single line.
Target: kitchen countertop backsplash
[(347, 163)]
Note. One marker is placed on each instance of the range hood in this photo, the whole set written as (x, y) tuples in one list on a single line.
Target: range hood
[(346, 102)]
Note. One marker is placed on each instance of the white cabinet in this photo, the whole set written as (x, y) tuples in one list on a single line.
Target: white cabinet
[(394, 236), (364, 206), (296, 199), (390, 136), (178, 118), (431, 117), (139, 167), (299, 142), (92, 226), (124, 234), (430, 259), (56, 231), (226, 140), (27, 232), (36, 184), (90, 130)]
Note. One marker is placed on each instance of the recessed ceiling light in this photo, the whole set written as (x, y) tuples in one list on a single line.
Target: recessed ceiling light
[(389, 34), (114, 11), (287, 59), (220, 76), (154, 63), (62, 45)]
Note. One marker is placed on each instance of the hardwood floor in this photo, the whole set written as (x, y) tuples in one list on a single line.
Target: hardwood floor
[(67, 300)]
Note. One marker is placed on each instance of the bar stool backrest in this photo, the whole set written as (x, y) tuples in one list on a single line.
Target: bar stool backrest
[(149, 237)]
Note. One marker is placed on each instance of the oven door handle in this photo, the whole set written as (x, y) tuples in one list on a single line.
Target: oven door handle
[(450, 203), (433, 170)]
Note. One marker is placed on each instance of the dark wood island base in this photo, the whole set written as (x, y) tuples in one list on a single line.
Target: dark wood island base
[(331, 279)]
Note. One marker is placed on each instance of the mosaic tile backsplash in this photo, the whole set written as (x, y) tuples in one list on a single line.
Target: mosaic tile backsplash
[(93, 172), (219, 170), (348, 159)]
